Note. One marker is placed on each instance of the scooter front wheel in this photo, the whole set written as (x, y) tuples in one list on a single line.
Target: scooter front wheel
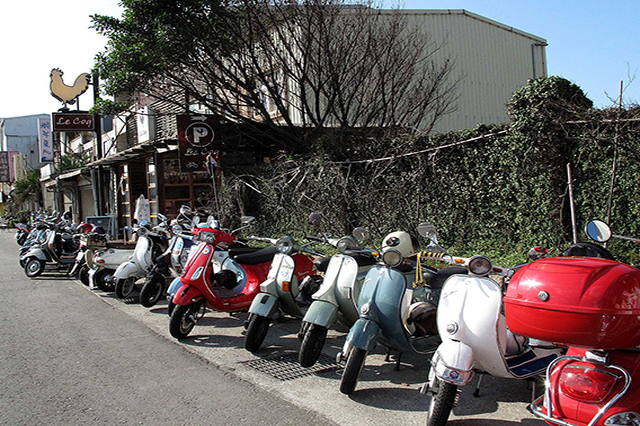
[(125, 287), (441, 403), (151, 292), (183, 319), (256, 332), (33, 267), (312, 344), (352, 370)]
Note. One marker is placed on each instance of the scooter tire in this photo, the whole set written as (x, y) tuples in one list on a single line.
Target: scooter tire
[(83, 275), (33, 267), (151, 292), (352, 370), (312, 344), (256, 332), (100, 278), (125, 287), (179, 324), (441, 404)]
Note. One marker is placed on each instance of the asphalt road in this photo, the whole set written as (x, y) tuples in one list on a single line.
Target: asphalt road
[(67, 357)]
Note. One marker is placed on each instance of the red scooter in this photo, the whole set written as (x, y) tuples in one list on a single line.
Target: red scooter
[(218, 275), (592, 305)]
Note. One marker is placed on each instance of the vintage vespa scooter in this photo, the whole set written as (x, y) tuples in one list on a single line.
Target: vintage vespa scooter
[(59, 251), (292, 274), (218, 275), (169, 265), (335, 300), (591, 305), (103, 262), (397, 306), (152, 242), (475, 336)]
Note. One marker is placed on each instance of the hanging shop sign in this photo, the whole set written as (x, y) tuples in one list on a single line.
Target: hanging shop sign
[(72, 121), (196, 138), (5, 173), (45, 142)]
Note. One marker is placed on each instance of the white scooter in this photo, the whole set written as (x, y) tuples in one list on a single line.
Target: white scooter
[(475, 337), (103, 264), (152, 242)]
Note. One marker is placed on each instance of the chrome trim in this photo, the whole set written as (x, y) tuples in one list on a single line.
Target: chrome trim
[(548, 405)]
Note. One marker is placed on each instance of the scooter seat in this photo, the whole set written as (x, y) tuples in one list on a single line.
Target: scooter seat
[(362, 260), (322, 264), (261, 256), (236, 251)]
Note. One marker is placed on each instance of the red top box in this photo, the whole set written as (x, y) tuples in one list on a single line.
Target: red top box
[(579, 301)]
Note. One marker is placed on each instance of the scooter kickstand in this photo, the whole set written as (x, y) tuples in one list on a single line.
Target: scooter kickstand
[(397, 367), (476, 392)]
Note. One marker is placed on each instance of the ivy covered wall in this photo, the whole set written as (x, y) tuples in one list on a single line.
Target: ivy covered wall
[(498, 195)]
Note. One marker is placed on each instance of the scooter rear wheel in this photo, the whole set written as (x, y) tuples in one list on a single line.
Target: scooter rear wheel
[(183, 319), (352, 370), (125, 287), (312, 344), (152, 291), (104, 280), (33, 267), (83, 275), (256, 332), (441, 404)]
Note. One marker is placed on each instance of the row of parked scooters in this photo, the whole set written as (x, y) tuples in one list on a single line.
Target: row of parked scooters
[(573, 318)]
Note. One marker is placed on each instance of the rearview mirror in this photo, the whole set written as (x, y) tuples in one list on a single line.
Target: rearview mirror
[(245, 220), (361, 233), (598, 231), (315, 218), (428, 231)]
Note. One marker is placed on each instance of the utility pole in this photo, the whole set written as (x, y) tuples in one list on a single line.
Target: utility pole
[(97, 176)]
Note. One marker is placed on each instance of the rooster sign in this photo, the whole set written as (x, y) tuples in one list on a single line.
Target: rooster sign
[(68, 94)]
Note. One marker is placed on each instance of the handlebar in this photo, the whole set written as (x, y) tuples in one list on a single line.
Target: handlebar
[(263, 239), (316, 239)]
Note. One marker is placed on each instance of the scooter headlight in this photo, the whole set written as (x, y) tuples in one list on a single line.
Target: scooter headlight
[(285, 245), (346, 243), (207, 237), (176, 229), (480, 265), (392, 258), (627, 418)]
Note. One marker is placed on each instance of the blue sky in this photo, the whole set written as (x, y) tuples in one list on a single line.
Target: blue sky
[(595, 44)]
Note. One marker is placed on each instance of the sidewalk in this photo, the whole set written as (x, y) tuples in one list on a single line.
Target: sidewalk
[(383, 396)]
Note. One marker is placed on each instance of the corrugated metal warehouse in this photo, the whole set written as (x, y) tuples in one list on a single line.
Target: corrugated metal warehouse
[(492, 60)]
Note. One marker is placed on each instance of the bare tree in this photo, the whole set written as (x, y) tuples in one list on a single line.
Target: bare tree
[(312, 63)]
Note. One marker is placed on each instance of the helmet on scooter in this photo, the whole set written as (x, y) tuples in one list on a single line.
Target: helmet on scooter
[(400, 241)]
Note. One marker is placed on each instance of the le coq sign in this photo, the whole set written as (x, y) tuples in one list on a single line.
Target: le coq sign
[(65, 121)]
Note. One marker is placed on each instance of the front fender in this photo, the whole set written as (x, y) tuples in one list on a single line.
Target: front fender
[(174, 286), (127, 270), (264, 304), (186, 295), (321, 313), (453, 362), (363, 334)]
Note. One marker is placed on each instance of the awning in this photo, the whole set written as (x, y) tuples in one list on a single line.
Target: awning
[(135, 152), (70, 174)]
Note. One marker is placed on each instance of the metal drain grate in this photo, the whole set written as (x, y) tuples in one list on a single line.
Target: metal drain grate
[(284, 365)]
